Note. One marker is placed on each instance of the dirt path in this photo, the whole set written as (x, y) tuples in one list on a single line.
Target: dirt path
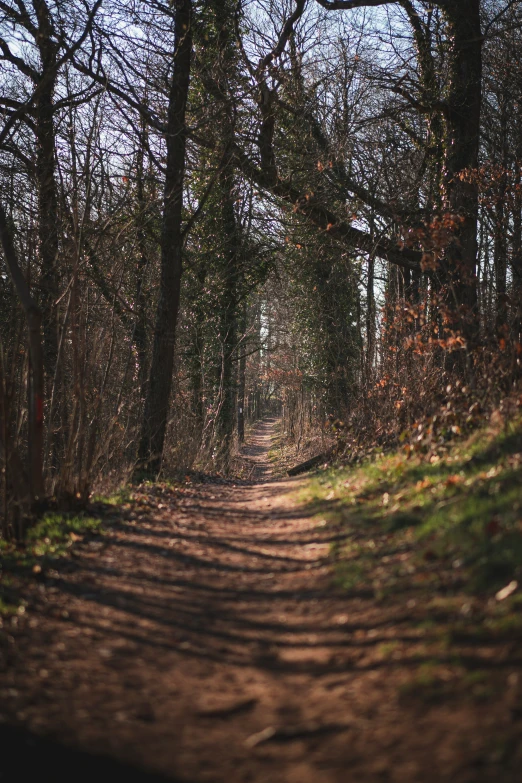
[(202, 640), (255, 452)]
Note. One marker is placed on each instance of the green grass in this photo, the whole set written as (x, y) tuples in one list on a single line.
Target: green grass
[(276, 452), (10, 607), (429, 687), (425, 684), (55, 533), (48, 541), (118, 498), (410, 518)]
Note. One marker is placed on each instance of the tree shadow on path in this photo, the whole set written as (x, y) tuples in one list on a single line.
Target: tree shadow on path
[(26, 757)]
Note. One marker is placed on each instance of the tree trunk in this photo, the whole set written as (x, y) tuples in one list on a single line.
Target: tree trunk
[(500, 261), (228, 326), (516, 251), (461, 157), (242, 379), (47, 227), (140, 327), (157, 402), (370, 318), (47, 192), (196, 356), (48, 231), (36, 381)]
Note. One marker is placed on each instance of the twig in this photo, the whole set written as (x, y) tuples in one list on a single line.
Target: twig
[(289, 733)]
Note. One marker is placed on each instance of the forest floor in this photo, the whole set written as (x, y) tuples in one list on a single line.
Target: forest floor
[(206, 632)]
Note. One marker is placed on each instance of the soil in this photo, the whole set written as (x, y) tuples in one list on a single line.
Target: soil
[(202, 638)]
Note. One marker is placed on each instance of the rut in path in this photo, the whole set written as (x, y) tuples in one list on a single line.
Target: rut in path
[(202, 639)]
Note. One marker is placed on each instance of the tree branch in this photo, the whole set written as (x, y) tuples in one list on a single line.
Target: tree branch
[(286, 32), (347, 5), (499, 16), (325, 219)]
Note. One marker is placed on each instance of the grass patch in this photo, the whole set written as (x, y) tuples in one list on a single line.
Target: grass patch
[(10, 607), (275, 453), (454, 516), (349, 574), (55, 533), (48, 541), (118, 498), (434, 683), (281, 454), (425, 685)]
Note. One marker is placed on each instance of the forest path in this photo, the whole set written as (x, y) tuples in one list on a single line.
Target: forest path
[(201, 639), (257, 448)]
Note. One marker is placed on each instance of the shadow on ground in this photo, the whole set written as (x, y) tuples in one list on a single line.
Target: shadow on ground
[(26, 757), (209, 614), (235, 589)]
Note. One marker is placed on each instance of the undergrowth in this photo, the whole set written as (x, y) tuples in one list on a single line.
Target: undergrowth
[(436, 540), (47, 542), (454, 517)]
